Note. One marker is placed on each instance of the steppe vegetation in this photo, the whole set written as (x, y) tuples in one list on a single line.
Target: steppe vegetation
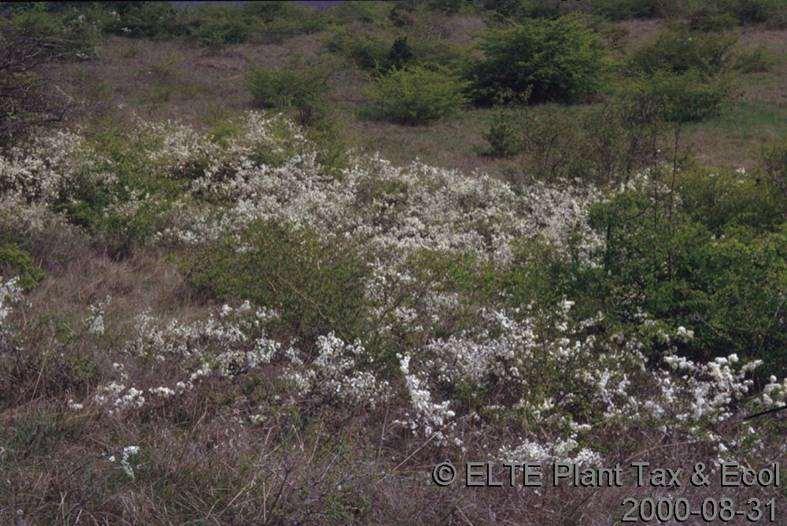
[(270, 264)]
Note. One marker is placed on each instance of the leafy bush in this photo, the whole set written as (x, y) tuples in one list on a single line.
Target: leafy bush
[(774, 162), (216, 26), (624, 9), (724, 201), (681, 97), (522, 9), (708, 258), (292, 87), (603, 143), (368, 52), (710, 18), (30, 39), (755, 60), (146, 20), (415, 95), (554, 60), (127, 210), (752, 11), (504, 136), (316, 285), (400, 53), (14, 261), (679, 51)]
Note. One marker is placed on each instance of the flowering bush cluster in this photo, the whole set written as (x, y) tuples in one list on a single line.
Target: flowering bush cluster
[(442, 349)]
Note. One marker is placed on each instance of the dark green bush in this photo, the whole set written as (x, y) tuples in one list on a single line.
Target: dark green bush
[(67, 34), (752, 11), (400, 53), (318, 286), (30, 39), (366, 51), (553, 60), (125, 213), (146, 20), (774, 162), (710, 18), (624, 9), (522, 9), (415, 95), (722, 200), (754, 60)]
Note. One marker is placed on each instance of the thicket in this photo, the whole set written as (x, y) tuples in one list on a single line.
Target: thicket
[(604, 143), (703, 249)]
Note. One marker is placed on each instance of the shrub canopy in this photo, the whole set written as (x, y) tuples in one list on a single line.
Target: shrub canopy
[(553, 60)]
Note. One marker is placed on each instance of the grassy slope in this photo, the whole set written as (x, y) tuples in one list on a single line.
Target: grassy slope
[(176, 80)]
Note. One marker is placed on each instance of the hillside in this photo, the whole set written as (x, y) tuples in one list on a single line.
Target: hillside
[(268, 264)]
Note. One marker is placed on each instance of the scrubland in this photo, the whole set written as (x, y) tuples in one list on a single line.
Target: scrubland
[(241, 288)]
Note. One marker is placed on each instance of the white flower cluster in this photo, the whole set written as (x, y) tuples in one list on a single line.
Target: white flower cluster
[(392, 210), (95, 319), (128, 457), (338, 372), (10, 294), (37, 171), (432, 419)]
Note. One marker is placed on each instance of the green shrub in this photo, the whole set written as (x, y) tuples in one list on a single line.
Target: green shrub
[(64, 34), (774, 162), (505, 136), (30, 39), (710, 18), (727, 289), (603, 143), (681, 97), (708, 259), (755, 60), (447, 6), (217, 26), (553, 60), (415, 95), (366, 51), (291, 87), (147, 20), (522, 9), (679, 51), (318, 286), (15, 261), (125, 213), (402, 14), (752, 11), (400, 53), (624, 9)]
